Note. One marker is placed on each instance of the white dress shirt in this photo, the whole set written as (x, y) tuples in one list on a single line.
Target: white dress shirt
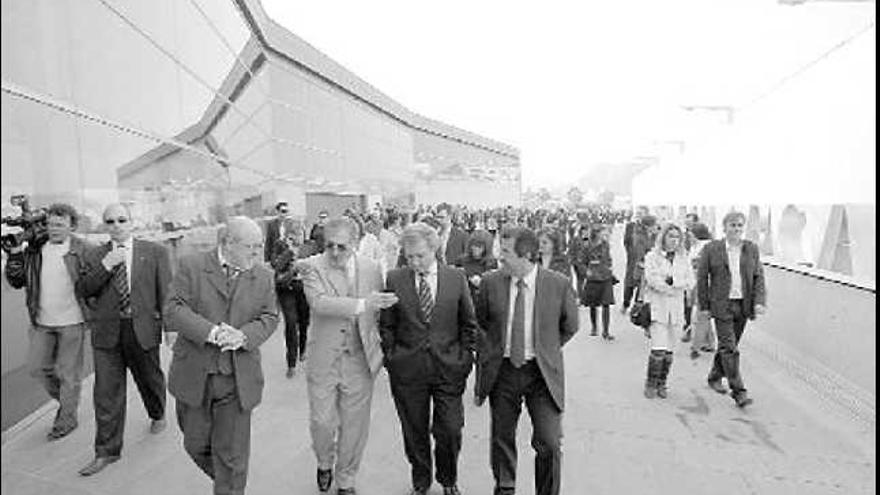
[(529, 313), (733, 256)]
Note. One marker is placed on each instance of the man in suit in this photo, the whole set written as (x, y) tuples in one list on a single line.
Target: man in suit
[(730, 289), (275, 229), (453, 240), (428, 339), (316, 235), (126, 330), (343, 351), (222, 304), (526, 314), (636, 243)]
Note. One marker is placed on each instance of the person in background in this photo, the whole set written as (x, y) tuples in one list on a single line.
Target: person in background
[(370, 247), (636, 242), (316, 235), (551, 255), (730, 288), (598, 279), (389, 238), (49, 269), (126, 330), (275, 229), (478, 259), (668, 273), (289, 289), (222, 305), (453, 240), (703, 336)]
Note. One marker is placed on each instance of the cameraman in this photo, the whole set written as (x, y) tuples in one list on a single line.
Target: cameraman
[(49, 271)]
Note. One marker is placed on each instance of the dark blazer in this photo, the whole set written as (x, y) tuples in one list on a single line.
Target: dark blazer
[(199, 299), (150, 278), (273, 234), (456, 246), (713, 279), (450, 335), (555, 322)]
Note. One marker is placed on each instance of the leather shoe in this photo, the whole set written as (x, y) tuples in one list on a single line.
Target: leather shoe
[(451, 490), (290, 372), (97, 465), (742, 400), (60, 432), (717, 386), (325, 479), (157, 426), (345, 491), (419, 491)]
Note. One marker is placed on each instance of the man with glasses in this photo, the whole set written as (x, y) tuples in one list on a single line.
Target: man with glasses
[(222, 304), (344, 292), (275, 229), (126, 331), (730, 289), (49, 270)]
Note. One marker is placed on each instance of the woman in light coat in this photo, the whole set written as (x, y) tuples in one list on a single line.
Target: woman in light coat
[(668, 273)]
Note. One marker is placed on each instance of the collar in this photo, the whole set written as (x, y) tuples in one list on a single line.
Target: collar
[(128, 243), (530, 277), (432, 270), (730, 246)]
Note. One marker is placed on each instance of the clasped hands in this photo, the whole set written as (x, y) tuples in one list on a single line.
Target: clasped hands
[(228, 338)]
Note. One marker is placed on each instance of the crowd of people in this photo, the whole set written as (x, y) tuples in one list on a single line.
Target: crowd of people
[(429, 295)]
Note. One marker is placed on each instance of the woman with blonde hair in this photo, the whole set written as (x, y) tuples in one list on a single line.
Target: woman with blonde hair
[(668, 273)]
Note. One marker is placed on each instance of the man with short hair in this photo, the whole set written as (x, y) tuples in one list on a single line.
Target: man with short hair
[(49, 269), (453, 240), (526, 314), (316, 235), (730, 289), (344, 295), (429, 339), (126, 329), (222, 303), (638, 239), (275, 229)]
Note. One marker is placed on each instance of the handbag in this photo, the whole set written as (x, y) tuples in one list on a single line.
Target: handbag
[(640, 314)]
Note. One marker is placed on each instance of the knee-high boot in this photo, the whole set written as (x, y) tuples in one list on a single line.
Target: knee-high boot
[(655, 368), (664, 373)]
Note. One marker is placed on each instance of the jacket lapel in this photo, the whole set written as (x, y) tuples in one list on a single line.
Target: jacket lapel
[(504, 294), (540, 294), (138, 261), (216, 275)]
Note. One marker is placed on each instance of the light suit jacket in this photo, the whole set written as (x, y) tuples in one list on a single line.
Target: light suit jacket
[(667, 301), (332, 309)]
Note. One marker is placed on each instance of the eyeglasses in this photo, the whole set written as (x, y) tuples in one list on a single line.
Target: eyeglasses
[(332, 245), (283, 210), (111, 221)]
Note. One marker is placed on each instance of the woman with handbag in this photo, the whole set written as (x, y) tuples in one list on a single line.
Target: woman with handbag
[(668, 273)]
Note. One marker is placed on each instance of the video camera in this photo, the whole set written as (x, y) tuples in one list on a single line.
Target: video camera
[(32, 223)]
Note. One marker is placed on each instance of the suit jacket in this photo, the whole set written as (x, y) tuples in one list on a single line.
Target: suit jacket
[(201, 297), (713, 279), (150, 276), (332, 309), (555, 321), (456, 246), (449, 336), (273, 234)]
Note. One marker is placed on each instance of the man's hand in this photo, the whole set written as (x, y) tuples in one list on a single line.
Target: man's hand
[(475, 279), (230, 338), (381, 300), (113, 257)]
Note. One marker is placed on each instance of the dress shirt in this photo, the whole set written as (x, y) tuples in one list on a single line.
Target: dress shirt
[(529, 313), (431, 278), (733, 256)]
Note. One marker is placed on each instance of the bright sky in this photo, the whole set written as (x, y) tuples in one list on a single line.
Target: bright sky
[(571, 83)]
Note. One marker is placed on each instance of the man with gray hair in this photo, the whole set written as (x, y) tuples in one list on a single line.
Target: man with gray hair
[(344, 352), (222, 303), (429, 340)]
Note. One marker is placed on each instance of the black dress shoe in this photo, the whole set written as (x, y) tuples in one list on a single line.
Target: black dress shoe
[(60, 431), (451, 490), (325, 479), (97, 465), (742, 400), (345, 491), (419, 491)]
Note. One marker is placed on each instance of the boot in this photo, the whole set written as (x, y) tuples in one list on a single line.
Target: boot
[(655, 366), (664, 373)]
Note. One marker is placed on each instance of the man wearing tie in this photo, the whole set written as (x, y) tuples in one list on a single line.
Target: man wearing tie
[(428, 340), (127, 330), (526, 314), (343, 351), (222, 303)]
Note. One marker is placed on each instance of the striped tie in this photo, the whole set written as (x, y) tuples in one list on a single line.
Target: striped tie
[(426, 301), (120, 280)]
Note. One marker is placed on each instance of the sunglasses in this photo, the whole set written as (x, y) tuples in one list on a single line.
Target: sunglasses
[(111, 221), (332, 245), (283, 210)]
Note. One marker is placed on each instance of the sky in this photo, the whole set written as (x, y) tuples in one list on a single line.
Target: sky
[(573, 84)]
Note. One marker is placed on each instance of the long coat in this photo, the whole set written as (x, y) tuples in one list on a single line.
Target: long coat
[(201, 297), (667, 301)]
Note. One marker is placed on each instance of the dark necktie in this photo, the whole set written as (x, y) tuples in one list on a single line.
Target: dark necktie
[(426, 301), (120, 280), (518, 329)]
